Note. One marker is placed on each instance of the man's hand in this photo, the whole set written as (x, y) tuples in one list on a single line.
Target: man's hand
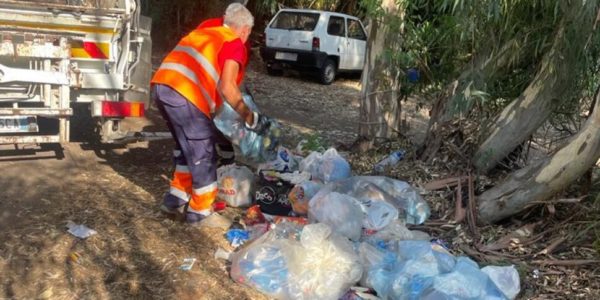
[(260, 125)]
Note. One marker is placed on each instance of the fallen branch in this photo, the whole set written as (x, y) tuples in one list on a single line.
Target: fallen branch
[(575, 262), (552, 246), (445, 183)]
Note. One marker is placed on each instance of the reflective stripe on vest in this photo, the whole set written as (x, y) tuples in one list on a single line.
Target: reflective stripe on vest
[(185, 71), (192, 67), (208, 67)]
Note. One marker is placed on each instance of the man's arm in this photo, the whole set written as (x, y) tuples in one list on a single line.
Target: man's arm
[(231, 92)]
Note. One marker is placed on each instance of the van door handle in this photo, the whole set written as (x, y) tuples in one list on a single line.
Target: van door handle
[(304, 42)]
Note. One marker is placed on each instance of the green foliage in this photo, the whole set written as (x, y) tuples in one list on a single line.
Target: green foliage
[(314, 142), (446, 39)]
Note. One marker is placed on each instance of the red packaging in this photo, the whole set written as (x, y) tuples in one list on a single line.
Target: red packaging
[(219, 206), (254, 216)]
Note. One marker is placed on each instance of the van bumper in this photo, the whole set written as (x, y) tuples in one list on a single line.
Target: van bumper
[(306, 60)]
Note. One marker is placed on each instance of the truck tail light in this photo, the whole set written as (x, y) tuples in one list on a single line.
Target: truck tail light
[(117, 109), (316, 44)]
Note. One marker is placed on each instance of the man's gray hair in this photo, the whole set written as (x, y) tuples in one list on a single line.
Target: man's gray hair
[(237, 15)]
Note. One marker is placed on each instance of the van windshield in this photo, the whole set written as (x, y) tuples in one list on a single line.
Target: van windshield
[(302, 21)]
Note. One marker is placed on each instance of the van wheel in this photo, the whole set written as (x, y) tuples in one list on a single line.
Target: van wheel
[(274, 72), (328, 72)]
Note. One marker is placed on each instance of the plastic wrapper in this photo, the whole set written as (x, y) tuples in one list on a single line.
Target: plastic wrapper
[(341, 212), (256, 147), (236, 185), (326, 167), (293, 263), (272, 193), (301, 194), (367, 189), (505, 278), (326, 266)]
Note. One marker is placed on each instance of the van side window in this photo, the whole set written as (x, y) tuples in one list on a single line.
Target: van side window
[(355, 31), (336, 26)]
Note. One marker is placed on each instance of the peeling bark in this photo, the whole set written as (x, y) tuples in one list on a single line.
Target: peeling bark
[(380, 96), (521, 118), (546, 177)]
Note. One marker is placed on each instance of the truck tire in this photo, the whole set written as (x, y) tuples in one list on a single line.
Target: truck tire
[(328, 72)]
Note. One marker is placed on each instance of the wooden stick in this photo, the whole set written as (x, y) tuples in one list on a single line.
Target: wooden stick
[(575, 262), (444, 183)]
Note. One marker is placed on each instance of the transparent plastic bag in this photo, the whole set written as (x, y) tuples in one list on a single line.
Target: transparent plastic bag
[(326, 167), (264, 263), (284, 161), (291, 262), (465, 281), (379, 215), (505, 278), (253, 146), (325, 267), (408, 269), (236, 185), (301, 194), (367, 189), (396, 231), (341, 212)]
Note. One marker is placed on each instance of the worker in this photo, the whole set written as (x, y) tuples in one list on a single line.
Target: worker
[(201, 72)]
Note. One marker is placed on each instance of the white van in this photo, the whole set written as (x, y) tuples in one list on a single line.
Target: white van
[(313, 40)]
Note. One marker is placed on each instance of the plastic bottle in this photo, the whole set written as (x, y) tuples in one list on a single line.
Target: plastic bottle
[(389, 161)]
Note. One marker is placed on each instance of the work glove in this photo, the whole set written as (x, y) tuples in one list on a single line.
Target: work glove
[(261, 124)]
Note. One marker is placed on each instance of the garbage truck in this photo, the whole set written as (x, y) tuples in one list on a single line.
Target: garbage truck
[(59, 54)]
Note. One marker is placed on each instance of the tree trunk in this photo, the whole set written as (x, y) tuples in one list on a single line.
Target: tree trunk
[(556, 76), (546, 177), (455, 100), (380, 96)]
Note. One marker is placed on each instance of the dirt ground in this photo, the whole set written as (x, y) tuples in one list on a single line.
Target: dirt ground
[(116, 191), (137, 252)]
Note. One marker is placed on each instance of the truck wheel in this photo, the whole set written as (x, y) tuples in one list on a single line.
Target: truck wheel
[(327, 72), (273, 71)]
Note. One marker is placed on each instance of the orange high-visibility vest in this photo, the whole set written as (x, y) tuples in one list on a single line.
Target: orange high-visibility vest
[(192, 68)]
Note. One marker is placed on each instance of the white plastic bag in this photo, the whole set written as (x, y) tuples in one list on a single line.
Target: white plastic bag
[(236, 185), (326, 167), (326, 266), (506, 279), (341, 212)]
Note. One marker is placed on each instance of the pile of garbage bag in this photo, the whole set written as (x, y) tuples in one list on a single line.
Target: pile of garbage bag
[(412, 269), (316, 232)]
